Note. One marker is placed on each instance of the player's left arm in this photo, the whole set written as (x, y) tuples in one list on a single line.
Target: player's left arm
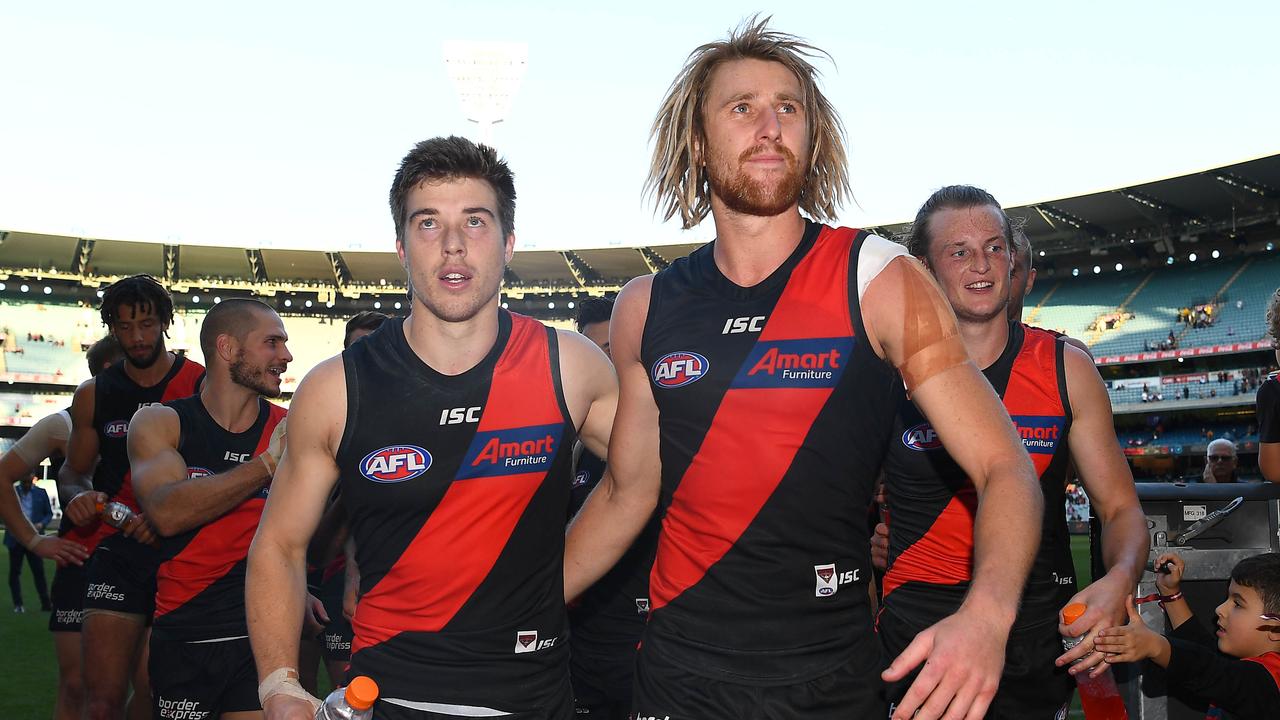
[(12, 468), (1109, 483), (591, 388), (173, 502)]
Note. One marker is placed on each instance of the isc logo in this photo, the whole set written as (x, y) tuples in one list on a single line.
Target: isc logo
[(236, 457), (457, 416), (921, 438), (198, 472), (734, 326), (395, 463), (527, 642), (679, 368), (116, 428)]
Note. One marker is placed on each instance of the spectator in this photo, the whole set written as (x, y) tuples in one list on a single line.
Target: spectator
[(35, 505), (1220, 462)]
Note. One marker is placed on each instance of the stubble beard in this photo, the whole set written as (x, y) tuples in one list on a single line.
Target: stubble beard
[(250, 377)]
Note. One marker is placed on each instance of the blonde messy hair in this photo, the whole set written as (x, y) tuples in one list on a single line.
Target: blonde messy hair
[(677, 179)]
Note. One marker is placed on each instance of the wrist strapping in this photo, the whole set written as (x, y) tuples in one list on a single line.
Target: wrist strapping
[(1170, 598), (271, 465), (284, 681), (35, 540)]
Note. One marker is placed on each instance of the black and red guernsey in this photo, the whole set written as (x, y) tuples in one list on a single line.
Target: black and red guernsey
[(456, 488), (932, 502), (116, 398), (200, 585), (774, 417)]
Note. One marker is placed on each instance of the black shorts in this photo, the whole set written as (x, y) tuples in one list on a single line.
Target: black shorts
[(559, 708), (121, 577), (201, 679), (602, 681), (664, 691), (66, 595), (1031, 687), (335, 639)]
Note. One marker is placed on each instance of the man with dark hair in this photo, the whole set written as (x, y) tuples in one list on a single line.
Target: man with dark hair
[(450, 432), (102, 354), (48, 439), (201, 467), (361, 324), (760, 371), (593, 320), (120, 576), (1268, 403), (1060, 408)]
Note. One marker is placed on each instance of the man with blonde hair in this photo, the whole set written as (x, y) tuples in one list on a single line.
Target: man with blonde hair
[(759, 370)]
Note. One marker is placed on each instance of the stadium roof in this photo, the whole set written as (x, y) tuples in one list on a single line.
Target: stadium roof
[(1230, 201)]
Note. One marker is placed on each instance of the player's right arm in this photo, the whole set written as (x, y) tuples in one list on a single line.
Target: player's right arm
[(75, 480), (275, 586), (910, 325), (13, 467), (617, 510)]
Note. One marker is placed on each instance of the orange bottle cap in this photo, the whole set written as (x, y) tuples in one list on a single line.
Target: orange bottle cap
[(1072, 612), (362, 693), (99, 507)]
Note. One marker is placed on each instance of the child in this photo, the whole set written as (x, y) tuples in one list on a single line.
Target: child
[(1242, 680)]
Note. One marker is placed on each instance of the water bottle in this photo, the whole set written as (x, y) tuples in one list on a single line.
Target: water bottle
[(1099, 696), (115, 514), (354, 702)]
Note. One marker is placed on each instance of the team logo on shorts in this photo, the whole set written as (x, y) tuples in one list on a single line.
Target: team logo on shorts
[(827, 582), (116, 428), (678, 369), (198, 472), (395, 463), (921, 438), (527, 642), (642, 606)]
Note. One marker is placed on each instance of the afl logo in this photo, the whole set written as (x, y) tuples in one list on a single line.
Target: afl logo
[(116, 428), (395, 464), (679, 368), (921, 438), (198, 472)]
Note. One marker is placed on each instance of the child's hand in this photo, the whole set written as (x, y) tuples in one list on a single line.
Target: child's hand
[(1131, 642), (1168, 583)]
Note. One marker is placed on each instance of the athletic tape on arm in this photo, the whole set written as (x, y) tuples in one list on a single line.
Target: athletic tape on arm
[(284, 681), (930, 341)]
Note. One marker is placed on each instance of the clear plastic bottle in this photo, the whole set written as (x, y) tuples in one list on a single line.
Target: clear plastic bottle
[(353, 702), (115, 514), (1099, 697)]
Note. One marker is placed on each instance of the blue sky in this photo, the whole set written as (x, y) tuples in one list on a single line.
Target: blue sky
[(281, 124)]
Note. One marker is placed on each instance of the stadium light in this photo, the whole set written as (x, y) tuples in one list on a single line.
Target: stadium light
[(1192, 257), (195, 299), (307, 303), (487, 76), (1119, 267), (100, 294), (216, 299), (570, 306), (505, 306), (2, 286), (24, 288), (1168, 260), (288, 302), (329, 304), (1075, 272), (551, 306), (377, 306), (397, 306), (1216, 254), (48, 290), (1041, 253), (1097, 269), (1271, 246)]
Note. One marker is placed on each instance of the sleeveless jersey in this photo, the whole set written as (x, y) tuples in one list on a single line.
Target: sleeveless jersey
[(200, 585), (774, 414), (116, 398), (456, 489), (932, 502)]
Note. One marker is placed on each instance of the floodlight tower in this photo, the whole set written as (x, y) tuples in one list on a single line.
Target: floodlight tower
[(487, 76)]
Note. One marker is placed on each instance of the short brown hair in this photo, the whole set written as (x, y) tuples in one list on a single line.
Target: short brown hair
[(1273, 316), (452, 158), (678, 183)]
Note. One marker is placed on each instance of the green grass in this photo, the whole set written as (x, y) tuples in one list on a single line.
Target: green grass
[(29, 671)]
